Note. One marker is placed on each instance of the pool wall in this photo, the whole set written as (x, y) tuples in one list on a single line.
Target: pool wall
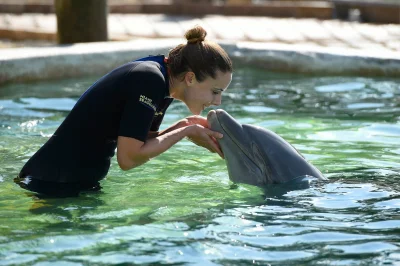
[(77, 60)]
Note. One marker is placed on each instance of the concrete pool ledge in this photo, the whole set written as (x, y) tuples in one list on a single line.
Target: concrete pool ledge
[(319, 60), (45, 63)]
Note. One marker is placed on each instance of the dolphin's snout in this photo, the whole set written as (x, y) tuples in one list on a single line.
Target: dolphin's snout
[(211, 118), (220, 118), (210, 114), (215, 114)]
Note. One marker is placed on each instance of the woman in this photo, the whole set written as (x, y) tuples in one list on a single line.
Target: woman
[(124, 110)]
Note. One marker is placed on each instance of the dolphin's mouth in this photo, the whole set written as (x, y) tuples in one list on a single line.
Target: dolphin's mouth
[(217, 116)]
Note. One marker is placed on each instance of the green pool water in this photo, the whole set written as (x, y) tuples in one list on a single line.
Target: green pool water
[(181, 209)]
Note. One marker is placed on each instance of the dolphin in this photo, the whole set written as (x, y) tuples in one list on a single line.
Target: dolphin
[(258, 156)]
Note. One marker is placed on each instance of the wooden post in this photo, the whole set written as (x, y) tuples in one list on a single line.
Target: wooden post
[(81, 21)]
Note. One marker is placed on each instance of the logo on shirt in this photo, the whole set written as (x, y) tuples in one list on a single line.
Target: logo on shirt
[(147, 102), (158, 113)]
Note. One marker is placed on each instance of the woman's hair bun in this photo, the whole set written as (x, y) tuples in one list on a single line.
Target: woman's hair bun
[(195, 35)]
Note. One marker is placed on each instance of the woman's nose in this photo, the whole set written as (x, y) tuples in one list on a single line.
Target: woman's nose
[(217, 100)]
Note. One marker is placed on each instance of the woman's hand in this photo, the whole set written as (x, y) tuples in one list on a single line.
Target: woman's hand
[(194, 120), (202, 136)]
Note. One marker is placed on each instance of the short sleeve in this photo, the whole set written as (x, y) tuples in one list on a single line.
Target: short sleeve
[(144, 88)]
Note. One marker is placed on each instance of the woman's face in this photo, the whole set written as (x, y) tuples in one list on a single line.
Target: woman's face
[(200, 95)]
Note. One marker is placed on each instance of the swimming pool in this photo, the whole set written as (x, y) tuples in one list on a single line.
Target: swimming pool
[(180, 208)]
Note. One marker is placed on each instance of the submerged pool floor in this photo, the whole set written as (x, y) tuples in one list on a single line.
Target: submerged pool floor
[(180, 208)]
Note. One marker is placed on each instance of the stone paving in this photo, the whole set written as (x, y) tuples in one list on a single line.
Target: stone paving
[(298, 32)]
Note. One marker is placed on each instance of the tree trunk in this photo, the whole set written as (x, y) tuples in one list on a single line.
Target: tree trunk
[(81, 21)]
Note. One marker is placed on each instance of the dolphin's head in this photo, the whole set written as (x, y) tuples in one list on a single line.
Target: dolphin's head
[(243, 159), (257, 156)]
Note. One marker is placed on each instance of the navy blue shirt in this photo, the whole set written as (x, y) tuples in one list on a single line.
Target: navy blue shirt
[(129, 101)]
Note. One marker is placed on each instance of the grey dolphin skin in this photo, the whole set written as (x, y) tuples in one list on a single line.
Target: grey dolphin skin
[(258, 156)]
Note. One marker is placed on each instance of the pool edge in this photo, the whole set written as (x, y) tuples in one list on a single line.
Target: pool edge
[(77, 60)]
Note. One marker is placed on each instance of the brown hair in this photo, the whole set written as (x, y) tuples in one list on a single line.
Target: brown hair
[(201, 57)]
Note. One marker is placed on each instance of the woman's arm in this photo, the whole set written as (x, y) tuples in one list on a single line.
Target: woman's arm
[(154, 134), (132, 152)]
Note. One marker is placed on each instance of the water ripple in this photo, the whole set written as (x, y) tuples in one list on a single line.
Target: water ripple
[(365, 248)]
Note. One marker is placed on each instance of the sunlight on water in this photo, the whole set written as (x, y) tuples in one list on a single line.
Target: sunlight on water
[(341, 87), (181, 208)]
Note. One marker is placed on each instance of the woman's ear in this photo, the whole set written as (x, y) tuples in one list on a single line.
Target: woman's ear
[(190, 78)]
